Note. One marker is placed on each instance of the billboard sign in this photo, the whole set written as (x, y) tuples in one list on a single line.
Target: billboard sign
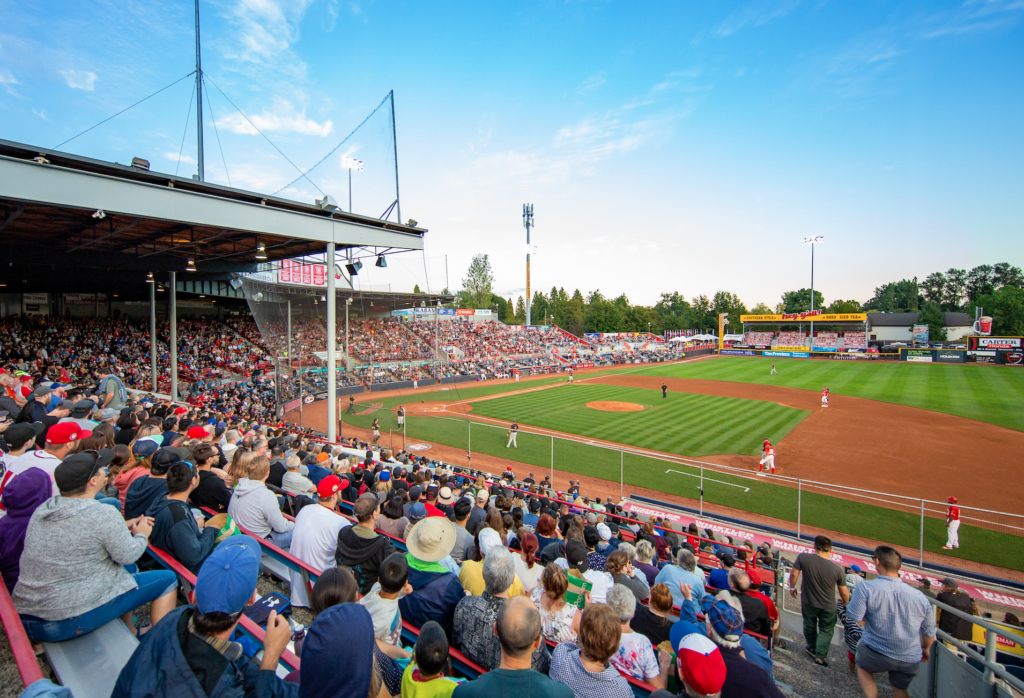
[(920, 333), (1011, 358), (737, 352), (976, 343), (817, 316), (446, 311), (464, 311), (983, 325), (917, 355), (482, 311), (301, 274), (787, 354), (944, 356), (404, 312)]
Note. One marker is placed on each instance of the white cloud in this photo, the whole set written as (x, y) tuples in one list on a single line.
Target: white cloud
[(174, 157), (284, 119), (79, 79), (7, 80), (41, 113), (591, 83), (755, 14)]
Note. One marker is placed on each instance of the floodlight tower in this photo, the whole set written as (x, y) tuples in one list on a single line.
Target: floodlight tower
[(351, 164), (812, 242), (528, 223), (199, 103)]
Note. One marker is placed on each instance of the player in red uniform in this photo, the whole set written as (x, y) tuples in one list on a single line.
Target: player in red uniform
[(824, 397), (952, 525), (767, 457)]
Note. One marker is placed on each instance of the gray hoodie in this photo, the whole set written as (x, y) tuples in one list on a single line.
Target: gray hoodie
[(75, 552), (255, 508)]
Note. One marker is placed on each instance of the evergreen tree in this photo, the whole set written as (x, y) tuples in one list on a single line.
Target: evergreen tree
[(478, 282)]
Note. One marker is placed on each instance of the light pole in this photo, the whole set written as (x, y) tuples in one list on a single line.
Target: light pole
[(812, 242), (350, 164), (527, 223)]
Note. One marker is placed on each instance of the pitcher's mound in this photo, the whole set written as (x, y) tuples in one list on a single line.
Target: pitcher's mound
[(611, 406)]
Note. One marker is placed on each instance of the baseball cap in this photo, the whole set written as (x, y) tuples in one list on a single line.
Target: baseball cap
[(107, 413), (701, 664), (164, 458), (725, 620), (323, 457), (197, 433), (482, 496), (227, 579), (728, 560), (68, 405), (65, 433), (951, 583), (418, 512), (82, 407), (416, 491), (17, 435), (144, 448), (41, 391), (74, 472), (604, 532), (444, 496), (576, 555), (180, 410), (328, 486), (384, 475), (489, 539)]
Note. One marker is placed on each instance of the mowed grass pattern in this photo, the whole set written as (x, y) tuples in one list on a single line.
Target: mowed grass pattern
[(684, 424), (991, 394)]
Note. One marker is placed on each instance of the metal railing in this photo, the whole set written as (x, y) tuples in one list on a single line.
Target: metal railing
[(992, 668)]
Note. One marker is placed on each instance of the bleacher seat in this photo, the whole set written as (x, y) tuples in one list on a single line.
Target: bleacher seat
[(759, 338), (790, 339), (89, 665)]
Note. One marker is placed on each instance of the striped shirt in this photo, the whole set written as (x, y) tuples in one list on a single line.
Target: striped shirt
[(897, 615)]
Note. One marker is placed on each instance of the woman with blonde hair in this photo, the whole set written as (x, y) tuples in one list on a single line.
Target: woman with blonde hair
[(241, 460), (139, 465), (559, 621)]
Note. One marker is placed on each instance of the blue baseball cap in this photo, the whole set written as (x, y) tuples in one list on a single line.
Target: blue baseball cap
[(417, 512), (144, 448), (212, 420), (227, 579)]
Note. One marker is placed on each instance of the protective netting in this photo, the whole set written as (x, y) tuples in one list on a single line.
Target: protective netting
[(374, 188)]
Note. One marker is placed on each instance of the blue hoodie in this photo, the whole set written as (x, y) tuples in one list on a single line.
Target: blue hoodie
[(175, 532), (141, 494)]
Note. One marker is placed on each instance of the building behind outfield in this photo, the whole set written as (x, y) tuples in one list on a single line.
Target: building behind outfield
[(896, 327)]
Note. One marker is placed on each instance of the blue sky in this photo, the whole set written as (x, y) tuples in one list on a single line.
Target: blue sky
[(683, 146)]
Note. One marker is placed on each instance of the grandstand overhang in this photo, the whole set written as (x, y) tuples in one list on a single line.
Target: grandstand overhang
[(50, 216), (367, 300)]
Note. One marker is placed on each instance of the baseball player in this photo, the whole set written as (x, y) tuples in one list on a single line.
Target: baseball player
[(401, 416), (351, 405), (767, 458), (824, 397), (517, 375), (664, 391), (570, 374), (512, 431), (376, 430), (774, 372), (952, 525)]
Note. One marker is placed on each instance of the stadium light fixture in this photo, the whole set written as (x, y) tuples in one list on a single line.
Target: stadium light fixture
[(352, 164), (191, 266), (261, 251), (354, 267), (99, 214), (381, 262), (149, 278), (812, 242)]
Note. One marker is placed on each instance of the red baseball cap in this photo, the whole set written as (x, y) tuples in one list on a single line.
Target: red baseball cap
[(197, 433), (180, 410), (328, 486), (701, 664), (65, 433), (953, 500)]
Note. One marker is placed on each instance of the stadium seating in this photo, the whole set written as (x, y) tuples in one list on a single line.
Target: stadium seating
[(759, 338), (855, 340), (791, 339), (826, 340)]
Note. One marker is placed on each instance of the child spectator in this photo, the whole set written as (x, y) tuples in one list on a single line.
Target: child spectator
[(382, 599), (423, 678)]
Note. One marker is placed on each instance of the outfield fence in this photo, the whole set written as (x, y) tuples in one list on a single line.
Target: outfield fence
[(989, 536)]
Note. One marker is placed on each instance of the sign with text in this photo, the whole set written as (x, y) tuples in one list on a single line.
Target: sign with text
[(818, 316), (976, 343), (302, 274)]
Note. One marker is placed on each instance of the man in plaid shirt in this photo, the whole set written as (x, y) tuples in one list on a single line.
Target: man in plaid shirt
[(899, 626)]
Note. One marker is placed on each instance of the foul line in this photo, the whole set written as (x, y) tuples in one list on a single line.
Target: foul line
[(707, 479)]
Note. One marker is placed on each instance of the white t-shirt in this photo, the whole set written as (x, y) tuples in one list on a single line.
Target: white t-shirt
[(314, 541), (295, 484), (387, 619), (35, 459), (529, 577), (602, 582)]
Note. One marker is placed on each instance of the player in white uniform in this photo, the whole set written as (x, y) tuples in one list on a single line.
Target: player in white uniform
[(767, 458), (517, 375), (376, 430), (401, 416), (952, 525), (512, 431), (773, 371), (570, 375)]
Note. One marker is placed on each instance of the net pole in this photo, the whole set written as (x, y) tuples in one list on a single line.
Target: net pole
[(921, 549), (702, 489), (799, 500), (332, 342), (394, 141), (152, 335), (622, 461), (174, 337), (552, 460)]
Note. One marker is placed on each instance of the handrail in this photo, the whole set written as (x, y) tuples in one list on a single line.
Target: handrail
[(21, 646), (245, 623), (992, 668)]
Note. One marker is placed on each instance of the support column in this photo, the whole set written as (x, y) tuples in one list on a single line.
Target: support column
[(152, 335), (332, 341), (172, 315)]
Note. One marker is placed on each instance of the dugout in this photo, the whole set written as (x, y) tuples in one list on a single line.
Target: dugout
[(75, 224), (807, 332)]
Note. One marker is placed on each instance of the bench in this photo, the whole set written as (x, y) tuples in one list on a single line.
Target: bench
[(89, 665)]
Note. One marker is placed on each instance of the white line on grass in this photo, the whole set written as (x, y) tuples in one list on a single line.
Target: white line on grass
[(707, 479)]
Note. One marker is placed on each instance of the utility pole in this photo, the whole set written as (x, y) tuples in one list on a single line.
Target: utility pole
[(812, 242), (199, 97), (527, 222)]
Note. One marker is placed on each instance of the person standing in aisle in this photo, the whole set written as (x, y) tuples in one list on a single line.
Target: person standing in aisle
[(512, 431), (821, 578)]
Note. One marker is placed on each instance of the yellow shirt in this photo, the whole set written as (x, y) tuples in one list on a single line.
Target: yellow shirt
[(472, 577)]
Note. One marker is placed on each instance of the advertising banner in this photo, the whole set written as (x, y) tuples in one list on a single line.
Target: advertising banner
[(948, 356), (787, 354), (1011, 358), (446, 311), (464, 311), (983, 325), (404, 312), (85, 298), (737, 352), (301, 274), (817, 316), (829, 349), (424, 311), (684, 519), (482, 311), (918, 355), (976, 343), (920, 333)]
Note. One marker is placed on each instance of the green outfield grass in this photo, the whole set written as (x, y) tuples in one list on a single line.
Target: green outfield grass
[(986, 393), (685, 424)]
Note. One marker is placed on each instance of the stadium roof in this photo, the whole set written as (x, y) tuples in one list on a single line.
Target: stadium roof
[(908, 319), (77, 224)]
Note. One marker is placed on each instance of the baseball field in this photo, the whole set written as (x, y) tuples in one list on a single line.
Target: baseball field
[(925, 431)]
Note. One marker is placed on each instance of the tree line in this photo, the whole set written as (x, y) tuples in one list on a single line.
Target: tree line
[(997, 288)]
